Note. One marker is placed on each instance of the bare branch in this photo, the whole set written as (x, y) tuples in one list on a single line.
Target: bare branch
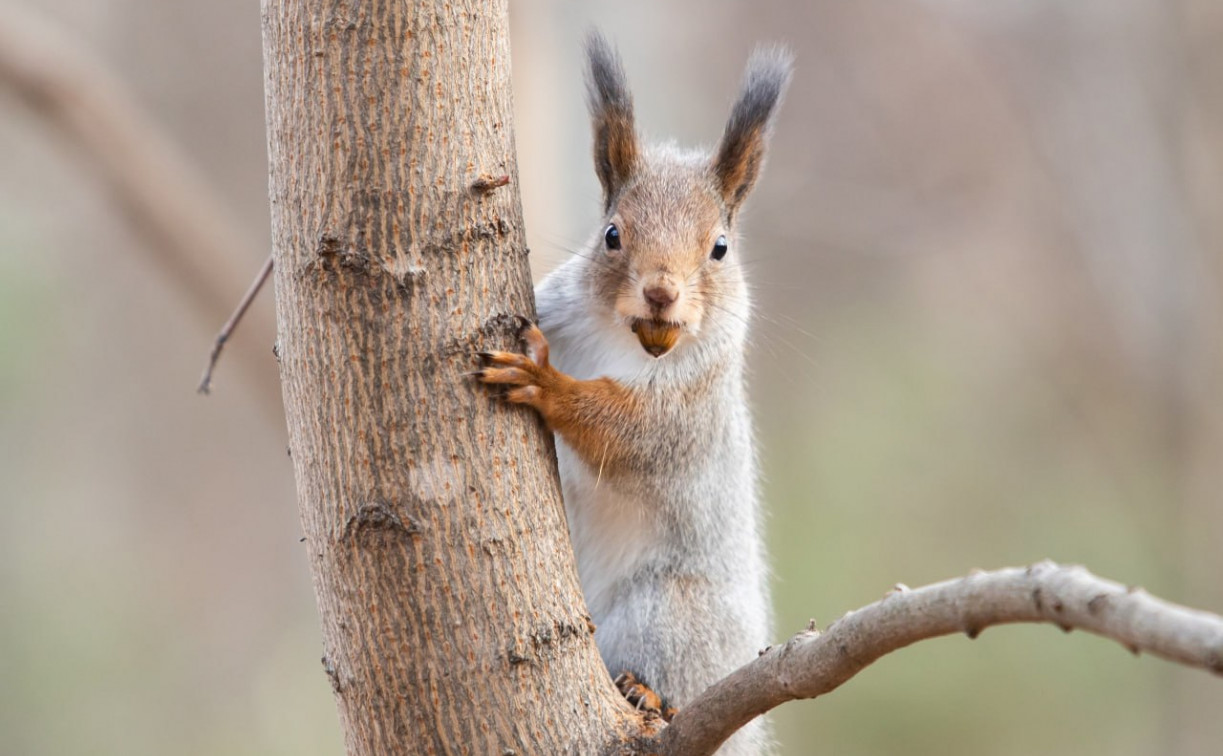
[(227, 330), (191, 236), (813, 663)]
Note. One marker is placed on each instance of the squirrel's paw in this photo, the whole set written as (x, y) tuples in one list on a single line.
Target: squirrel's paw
[(526, 377), (643, 697)]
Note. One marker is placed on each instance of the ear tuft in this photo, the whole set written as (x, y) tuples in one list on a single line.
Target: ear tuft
[(611, 115), (741, 152)]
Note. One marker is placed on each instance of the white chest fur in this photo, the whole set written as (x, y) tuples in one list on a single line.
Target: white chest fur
[(611, 536)]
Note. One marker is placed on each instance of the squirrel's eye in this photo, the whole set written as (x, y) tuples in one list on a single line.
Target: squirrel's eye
[(719, 248), (612, 237)]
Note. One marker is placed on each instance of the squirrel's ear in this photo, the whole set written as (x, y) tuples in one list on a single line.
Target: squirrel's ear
[(741, 152), (611, 114)]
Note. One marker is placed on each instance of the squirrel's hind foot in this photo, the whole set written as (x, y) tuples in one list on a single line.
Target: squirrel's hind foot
[(643, 697)]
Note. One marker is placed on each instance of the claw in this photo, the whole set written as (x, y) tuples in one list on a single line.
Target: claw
[(642, 697), (519, 378)]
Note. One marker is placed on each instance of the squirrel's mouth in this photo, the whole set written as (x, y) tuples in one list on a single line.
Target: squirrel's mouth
[(656, 336)]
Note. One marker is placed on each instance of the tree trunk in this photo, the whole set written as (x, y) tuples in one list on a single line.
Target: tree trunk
[(451, 613)]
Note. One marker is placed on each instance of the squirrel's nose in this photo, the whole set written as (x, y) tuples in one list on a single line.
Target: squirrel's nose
[(661, 295)]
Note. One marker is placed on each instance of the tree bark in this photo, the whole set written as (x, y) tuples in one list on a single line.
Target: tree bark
[(451, 613)]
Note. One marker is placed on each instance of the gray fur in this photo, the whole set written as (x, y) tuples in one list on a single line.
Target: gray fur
[(669, 540)]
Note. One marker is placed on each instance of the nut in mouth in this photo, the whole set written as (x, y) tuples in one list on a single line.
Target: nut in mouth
[(656, 336)]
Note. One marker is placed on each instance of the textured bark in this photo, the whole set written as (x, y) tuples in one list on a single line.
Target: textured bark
[(451, 613)]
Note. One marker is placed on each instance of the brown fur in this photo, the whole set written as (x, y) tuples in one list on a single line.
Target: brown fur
[(598, 418), (643, 697), (669, 220)]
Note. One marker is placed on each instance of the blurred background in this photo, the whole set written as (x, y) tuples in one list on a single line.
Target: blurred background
[(988, 262)]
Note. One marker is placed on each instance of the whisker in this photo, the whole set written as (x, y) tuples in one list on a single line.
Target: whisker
[(601, 263), (765, 335), (753, 283)]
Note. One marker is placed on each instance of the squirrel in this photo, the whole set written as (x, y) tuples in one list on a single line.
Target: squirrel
[(637, 366)]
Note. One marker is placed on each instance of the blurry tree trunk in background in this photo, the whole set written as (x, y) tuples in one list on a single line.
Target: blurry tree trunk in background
[(190, 236), (451, 613)]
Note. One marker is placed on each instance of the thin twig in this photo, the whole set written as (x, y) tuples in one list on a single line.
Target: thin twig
[(228, 329), (813, 663)]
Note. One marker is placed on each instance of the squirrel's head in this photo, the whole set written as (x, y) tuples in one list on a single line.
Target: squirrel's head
[(666, 259)]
